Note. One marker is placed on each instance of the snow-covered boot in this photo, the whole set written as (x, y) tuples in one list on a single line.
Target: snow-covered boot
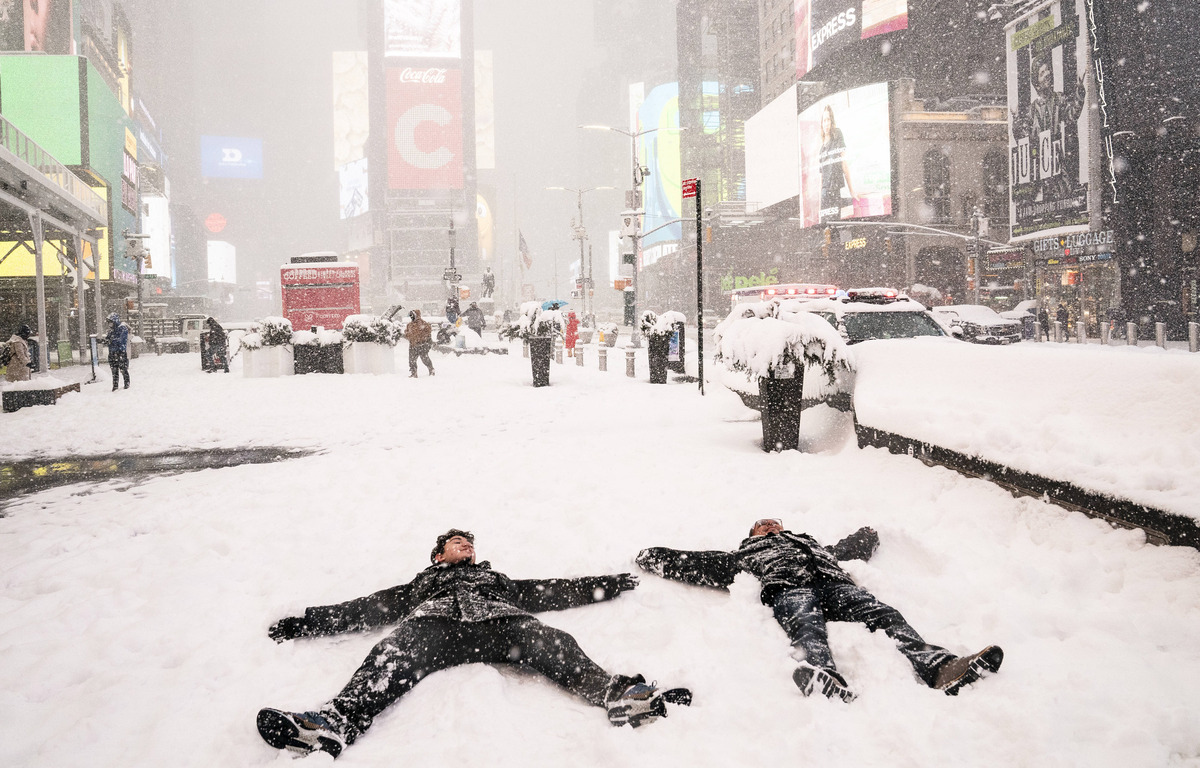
[(634, 701), (830, 683), (961, 671), (302, 732)]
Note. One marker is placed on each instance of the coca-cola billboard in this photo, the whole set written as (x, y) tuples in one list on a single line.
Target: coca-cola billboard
[(425, 134), (423, 28)]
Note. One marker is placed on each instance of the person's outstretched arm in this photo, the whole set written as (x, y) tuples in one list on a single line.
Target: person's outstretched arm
[(707, 569), (536, 595), (860, 545), (384, 607)]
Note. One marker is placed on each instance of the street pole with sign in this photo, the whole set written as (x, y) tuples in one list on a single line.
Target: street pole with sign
[(691, 188)]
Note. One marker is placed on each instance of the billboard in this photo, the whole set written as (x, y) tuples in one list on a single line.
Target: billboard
[(659, 151), (37, 25), (425, 132), (1049, 124), (231, 157), (772, 153), (353, 194), (351, 121), (824, 27), (422, 28), (845, 156), (222, 262), (41, 98), (485, 112)]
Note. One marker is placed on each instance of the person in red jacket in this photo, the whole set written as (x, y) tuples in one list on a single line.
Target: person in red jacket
[(572, 335)]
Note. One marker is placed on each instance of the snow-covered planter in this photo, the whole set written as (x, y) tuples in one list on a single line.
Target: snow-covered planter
[(658, 330), (775, 360), (609, 333), (369, 344), (317, 352), (268, 353), (538, 327)]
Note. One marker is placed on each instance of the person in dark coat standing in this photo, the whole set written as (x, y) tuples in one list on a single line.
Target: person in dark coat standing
[(1044, 321), (218, 345), (19, 363), (1064, 318), (452, 310), (457, 612), (805, 586), (474, 319), (420, 341), (117, 340)]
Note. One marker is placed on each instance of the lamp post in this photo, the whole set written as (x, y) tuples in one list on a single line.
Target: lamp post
[(580, 234), (639, 175)]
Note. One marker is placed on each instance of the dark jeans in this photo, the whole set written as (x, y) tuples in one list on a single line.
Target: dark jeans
[(422, 351), (803, 612), (119, 363), (419, 647)]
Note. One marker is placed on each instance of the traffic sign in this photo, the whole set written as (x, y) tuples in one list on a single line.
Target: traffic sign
[(451, 276), (689, 188)]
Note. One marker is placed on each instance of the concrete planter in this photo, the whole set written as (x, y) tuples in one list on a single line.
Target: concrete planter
[(268, 362), (368, 357)]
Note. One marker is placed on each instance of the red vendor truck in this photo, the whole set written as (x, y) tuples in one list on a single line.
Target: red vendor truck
[(318, 290)]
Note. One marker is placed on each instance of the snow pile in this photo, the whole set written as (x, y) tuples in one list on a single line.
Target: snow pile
[(762, 341), (371, 329), (326, 337)]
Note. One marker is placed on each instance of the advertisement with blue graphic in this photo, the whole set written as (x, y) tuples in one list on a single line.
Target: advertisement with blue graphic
[(231, 157)]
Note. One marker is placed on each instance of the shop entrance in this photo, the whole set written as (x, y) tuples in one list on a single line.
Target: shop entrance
[(1091, 292)]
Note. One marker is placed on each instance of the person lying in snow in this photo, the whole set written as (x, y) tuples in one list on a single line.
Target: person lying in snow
[(457, 612), (805, 587)]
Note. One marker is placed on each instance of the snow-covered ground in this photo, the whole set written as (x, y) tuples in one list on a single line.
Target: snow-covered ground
[(133, 614)]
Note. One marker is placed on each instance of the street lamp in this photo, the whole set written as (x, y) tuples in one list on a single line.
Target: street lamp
[(589, 308), (639, 175)]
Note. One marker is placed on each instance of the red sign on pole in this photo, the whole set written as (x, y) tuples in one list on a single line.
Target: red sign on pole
[(689, 188), (215, 222)]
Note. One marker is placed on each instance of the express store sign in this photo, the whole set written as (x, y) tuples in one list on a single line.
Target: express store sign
[(425, 134)]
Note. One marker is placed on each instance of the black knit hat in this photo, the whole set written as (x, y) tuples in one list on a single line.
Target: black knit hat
[(441, 542)]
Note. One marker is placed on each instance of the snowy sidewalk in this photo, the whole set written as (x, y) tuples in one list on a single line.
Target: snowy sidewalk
[(133, 614)]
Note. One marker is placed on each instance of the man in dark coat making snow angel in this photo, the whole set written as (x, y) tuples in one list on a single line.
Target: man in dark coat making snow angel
[(457, 612), (805, 587)]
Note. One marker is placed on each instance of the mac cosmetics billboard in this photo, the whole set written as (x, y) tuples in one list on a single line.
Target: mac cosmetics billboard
[(773, 153), (659, 149), (44, 25), (846, 156)]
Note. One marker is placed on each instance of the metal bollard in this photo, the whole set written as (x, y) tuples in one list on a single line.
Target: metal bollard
[(1037, 331), (1131, 333), (602, 356), (1193, 337), (524, 349), (1160, 334), (579, 356), (629, 365), (1058, 331), (1080, 332), (558, 350), (1105, 332)]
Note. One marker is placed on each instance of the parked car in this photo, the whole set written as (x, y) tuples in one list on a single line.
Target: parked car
[(977, 324), (1024, 313), (866, 314)]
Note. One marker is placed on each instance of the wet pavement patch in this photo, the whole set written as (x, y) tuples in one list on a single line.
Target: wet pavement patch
[(17, 477)]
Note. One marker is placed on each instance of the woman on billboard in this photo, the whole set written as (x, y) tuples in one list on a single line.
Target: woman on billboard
[(835, 172)]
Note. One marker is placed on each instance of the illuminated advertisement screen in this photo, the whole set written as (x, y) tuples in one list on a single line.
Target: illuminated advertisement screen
[(422, 28), (231, 157), (485, 112), (824, 27), (41, 98), (772, 153), (1050, 126), (659, 150), (845, 156), (352, 189), (41, 25), (425, 132), (222, 262), (351, 123)]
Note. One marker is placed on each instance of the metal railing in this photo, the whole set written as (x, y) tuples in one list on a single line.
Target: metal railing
[(28, 150)]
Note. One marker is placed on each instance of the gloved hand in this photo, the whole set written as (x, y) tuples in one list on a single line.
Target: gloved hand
[(288, 629), (626, 582)]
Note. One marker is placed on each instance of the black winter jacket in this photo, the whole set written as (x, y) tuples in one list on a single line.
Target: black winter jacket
[(463, 591), (780, 561)]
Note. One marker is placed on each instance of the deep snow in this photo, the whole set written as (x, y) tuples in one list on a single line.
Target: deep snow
[(133, 615)]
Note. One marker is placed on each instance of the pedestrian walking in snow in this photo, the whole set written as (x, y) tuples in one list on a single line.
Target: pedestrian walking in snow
[(1063, 316), (457, 612), (117, 340), (420, 340), (571, 336), (1044, 321), (805, 586), (18, 360), (218, 345), (452, 310), (474, 318)]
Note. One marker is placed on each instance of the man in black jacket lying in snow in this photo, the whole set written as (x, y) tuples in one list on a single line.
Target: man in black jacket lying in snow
[(805, 587), (457, 612)]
